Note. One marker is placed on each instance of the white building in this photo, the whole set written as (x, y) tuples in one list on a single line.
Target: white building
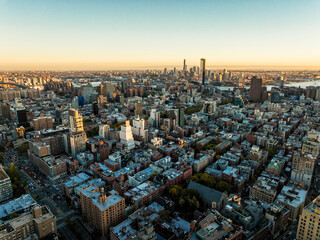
[(126, 136), (155, 118), (138, 129), (103, 130)]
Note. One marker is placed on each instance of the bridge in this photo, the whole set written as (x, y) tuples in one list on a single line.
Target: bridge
[(13, 84)]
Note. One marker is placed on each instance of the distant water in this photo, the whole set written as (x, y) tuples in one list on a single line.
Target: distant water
[(314, 83)]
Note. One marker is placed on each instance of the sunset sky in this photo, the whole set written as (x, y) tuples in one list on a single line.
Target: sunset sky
[(123, 34)]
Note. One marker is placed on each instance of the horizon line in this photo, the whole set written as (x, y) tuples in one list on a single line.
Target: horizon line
[(235, 67)]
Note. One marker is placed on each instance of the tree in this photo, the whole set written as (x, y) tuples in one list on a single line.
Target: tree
[(23, 148), (153, 175), (13, 173), (174, 192), (204, 179), (194, 109), (223, 186)]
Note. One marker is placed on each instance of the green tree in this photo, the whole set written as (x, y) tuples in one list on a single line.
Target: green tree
[(13, 173), (174, 192), (23, 148), (223, 186), (153, 175)]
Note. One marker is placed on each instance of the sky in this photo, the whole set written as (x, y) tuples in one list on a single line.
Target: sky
[(129, 34)]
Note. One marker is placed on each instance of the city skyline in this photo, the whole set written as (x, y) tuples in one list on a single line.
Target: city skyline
[(108, 35)]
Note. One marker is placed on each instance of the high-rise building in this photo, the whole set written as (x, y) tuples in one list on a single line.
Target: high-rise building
[(209, 107), (309, 221), (103, 130), (102, 100), (312, 144), (6, 191), (126, 136), (100, 210), (42, 122), (302, 167), (75, 103), (78, 136), (203, 70), (138, 108), (78, 142), (107, 89), (75, 121), (181, 115), (138, 130), (95, 108), (31, 221), (257, 92), (22, 118), (155, 118)]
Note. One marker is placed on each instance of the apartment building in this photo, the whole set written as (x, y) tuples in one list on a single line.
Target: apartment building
[(100, 210)]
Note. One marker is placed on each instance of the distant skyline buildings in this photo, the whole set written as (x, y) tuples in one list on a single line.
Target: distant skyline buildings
[(203, 70), (240, 33)]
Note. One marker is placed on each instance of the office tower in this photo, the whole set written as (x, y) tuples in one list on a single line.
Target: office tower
[(107, 89), (181, 115), (309, 221), (225, 75), (257, 92), (22, 118), (75, 103), (302, 167), (203, 70), (95, 108), (138, 108), (126, 136), (174, 70), (165, 71), (6, 191), (78, 136), (138, 130), (88, 93), (185, 69), (155, 118), (75, 121), (100, 210)]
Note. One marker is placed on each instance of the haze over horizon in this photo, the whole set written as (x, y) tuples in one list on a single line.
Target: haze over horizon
[(112, 35)]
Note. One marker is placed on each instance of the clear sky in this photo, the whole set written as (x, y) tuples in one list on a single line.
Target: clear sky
[(104, 34)]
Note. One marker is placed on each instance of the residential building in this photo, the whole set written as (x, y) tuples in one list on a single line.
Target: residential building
[(100, 210)]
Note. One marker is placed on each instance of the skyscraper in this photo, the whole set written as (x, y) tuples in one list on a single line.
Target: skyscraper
[(77, 135), (180, 122), (138, 108), (184, 67), (257, 92), (75, 121), (155, 118), (203, 70)]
